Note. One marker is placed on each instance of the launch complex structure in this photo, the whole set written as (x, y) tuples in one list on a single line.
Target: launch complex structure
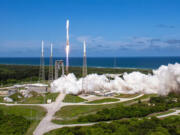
[(59, 64)]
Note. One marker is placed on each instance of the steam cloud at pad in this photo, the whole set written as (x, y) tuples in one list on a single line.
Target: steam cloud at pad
[(162, 81)]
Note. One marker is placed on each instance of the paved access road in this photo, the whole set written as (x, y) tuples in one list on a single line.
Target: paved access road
[(46, 125)]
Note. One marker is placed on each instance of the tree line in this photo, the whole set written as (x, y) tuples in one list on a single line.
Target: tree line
[(11, 74)]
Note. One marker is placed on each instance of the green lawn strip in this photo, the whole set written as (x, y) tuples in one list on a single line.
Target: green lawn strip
[(1, 99), (143, 98), (162, 113), (73, 99), (40, 99), (64, 122), (104, 100), (68, 112), (32, 113), (126, 95)]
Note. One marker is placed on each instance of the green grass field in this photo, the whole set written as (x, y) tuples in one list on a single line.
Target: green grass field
[(73, 99), (33, 113), (1, 99), (126, 95), (104, 100), (162, 113)]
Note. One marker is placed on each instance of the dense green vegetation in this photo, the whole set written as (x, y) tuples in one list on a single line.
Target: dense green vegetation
[(157, 104), (11, 74), (153, 126), (104, 100), (20, 120), (73, 99), (13, 125)]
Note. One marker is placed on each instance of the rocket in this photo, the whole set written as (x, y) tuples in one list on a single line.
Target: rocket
[(67, 46), (67, 32), (42, 51), (84, 48)]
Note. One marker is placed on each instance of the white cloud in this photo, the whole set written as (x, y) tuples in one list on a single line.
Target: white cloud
[(133, 43)]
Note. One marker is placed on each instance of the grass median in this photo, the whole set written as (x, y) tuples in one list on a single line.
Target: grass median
[(73, 99), (104, 100)]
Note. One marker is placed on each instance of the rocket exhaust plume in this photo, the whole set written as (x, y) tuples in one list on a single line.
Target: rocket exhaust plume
[(163, 80), (67, 46)]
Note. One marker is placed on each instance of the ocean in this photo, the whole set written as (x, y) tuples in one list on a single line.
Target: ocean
[(107, 62)]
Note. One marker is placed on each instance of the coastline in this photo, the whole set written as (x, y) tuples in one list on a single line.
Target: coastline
[(100, 67), (98, 62)]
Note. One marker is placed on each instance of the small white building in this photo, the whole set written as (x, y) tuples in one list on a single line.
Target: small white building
[(7, 99)]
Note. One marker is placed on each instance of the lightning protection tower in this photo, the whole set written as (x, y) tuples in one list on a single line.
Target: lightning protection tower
[(51, 65), (59, 64), (41, 70)]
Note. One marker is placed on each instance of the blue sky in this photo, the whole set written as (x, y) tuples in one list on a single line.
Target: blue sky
[(110, 27)]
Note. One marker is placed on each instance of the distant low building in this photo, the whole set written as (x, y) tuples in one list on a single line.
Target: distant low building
[(7, 99), (39, 88)]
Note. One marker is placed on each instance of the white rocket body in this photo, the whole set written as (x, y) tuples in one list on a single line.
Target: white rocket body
[(67, 31), (84, 48)]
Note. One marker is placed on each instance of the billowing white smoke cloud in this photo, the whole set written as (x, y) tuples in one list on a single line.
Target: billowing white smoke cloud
[(163, 80)]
